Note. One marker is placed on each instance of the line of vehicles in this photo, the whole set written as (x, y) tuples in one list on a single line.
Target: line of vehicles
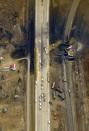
[(42, 99)]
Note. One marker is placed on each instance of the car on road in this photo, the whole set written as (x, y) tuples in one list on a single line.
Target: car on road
[(45, 50), (1, 58), (69, 92), (49, 122), (40, 105), (42, 79), (42, 95), (42, 87)]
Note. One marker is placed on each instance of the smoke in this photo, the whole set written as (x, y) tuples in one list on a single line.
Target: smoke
[(80, 47)]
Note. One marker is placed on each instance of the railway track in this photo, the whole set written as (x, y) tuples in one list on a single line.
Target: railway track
[(81, 91), (71, 126)]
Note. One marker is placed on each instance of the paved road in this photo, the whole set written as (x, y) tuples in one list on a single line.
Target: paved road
[(42, 95), (71, 17)]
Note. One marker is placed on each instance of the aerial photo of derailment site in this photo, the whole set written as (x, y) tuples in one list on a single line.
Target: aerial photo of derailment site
[(44, 65)]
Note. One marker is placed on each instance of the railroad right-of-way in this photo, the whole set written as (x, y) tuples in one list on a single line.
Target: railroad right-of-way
[(68, 85), (74, 84)]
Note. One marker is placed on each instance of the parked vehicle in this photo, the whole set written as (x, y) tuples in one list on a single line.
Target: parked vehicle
[(13, 67)]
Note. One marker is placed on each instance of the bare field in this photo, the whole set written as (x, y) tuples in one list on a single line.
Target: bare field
[(13, 97), (11, 9), (13, 120), (13, 18), (57, 105)]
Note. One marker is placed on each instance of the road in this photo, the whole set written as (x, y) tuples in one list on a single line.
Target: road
[(28, 92), (42, 106), (71, 17), (68, 85), (28, 98)]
